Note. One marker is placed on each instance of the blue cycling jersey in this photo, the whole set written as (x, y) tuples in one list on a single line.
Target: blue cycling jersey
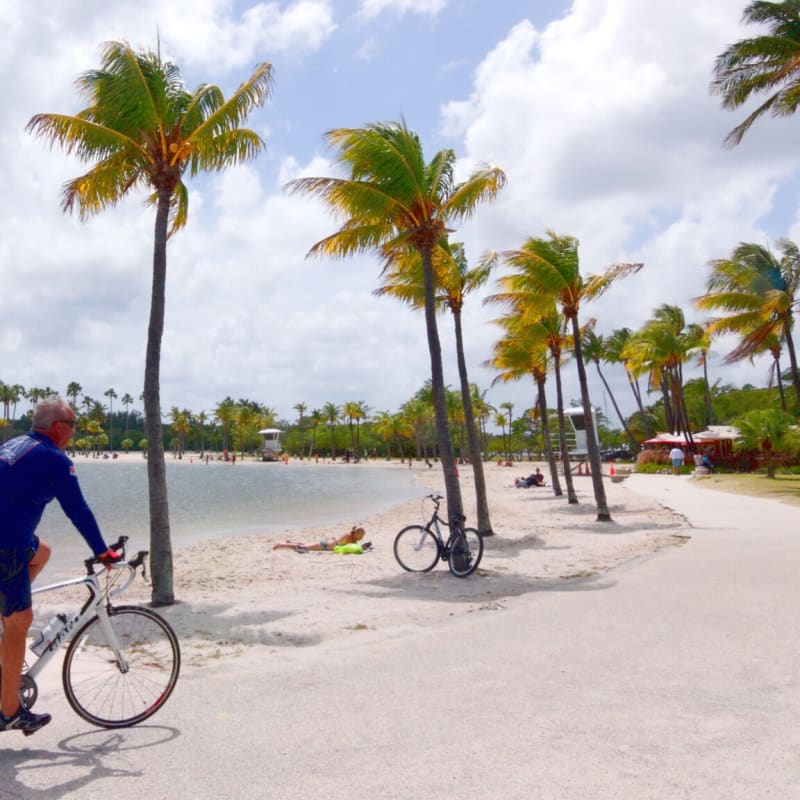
[(32, 472)]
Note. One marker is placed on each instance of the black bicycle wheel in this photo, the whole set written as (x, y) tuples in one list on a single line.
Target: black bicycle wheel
[(416, 549), (466, 551), (100, 690)]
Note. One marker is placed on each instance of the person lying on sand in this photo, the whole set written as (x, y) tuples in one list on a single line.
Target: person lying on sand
[(356, 534)]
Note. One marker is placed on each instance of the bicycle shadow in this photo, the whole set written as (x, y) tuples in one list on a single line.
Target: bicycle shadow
[(23, 776)]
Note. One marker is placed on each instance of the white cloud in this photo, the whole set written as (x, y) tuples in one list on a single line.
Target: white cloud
[(372, 8)]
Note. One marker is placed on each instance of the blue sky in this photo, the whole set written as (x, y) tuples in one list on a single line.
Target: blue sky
[(598, 111)]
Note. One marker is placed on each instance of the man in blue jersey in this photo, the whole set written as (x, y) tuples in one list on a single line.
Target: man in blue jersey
[(33, 470)]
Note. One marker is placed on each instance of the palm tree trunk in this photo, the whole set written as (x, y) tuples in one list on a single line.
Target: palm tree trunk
[(779, 379), (787, 335), (481, 501), (160, 542), (446, 452), (572, 498), (603, 514), (631, 438), (637, 393), (541, 401)]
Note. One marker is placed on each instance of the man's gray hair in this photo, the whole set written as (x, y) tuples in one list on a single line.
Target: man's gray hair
[(48, 411)]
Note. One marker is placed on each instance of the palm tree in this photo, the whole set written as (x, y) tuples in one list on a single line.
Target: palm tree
[(301, 409), (404, 279), (616, 351), (758, 294), (110, 394), (521, 352), (393, 201), (316, 419), (762, 64), (225, 412), (594, 350), (332, 413), (143, 129), (550, 268), (127, 402)]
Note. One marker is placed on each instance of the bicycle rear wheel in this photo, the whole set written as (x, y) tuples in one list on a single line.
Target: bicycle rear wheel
[(96, 686), (416, 549), (466, 551)]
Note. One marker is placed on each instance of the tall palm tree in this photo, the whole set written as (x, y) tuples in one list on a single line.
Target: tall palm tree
[(594, 350), (663, 345), (617, 352), (127, 402), (767, 63), (404, 279), (523, 352), (301, 409), (144, 130), (316, 417), (550, 267), (332, 413), (225, 412), (394, 200), (758, 294), (110, 394)]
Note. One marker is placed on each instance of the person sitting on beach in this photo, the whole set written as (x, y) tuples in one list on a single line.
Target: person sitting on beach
[(534, 479), (356, 534)]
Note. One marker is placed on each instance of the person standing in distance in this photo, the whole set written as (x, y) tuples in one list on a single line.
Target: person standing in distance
[(33, 470), (676, 457)]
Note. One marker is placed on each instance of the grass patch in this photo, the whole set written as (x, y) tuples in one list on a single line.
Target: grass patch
[(784, 487)]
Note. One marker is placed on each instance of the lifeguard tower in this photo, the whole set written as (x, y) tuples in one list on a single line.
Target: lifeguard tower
[(272, 443), (577, 441)]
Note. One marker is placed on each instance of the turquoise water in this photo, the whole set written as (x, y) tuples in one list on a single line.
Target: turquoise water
[(208, 501)]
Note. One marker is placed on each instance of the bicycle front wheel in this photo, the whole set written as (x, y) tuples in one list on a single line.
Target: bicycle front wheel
[(416, 549), (108, 694), (466, 551)]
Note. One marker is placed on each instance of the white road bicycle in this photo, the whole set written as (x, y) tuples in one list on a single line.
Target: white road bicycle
[(122, 662)]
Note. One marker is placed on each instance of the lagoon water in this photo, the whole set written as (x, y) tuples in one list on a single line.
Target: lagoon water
[(219, 499)]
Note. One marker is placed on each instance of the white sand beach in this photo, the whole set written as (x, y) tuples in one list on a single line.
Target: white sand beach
[(237, 593)]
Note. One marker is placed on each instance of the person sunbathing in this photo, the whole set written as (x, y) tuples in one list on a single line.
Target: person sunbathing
[(356, 534)]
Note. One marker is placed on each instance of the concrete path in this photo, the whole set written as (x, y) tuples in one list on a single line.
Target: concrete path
[(675, 677)]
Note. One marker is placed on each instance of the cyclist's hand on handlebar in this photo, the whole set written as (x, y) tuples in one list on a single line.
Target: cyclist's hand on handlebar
[(109, 557)]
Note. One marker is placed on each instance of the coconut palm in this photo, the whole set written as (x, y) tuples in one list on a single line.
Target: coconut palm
[(523, 352), (127, 402), (595, 350), (662, 346), (144, 130), (332, 413), (550, 268), (765, 64), (403, 278), (301, 409), (316, 418), (394, 200), (225, 413), (616, 352), (757, 294), (111, 395)]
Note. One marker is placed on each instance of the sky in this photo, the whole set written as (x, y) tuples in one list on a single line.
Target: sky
[(598, 111)]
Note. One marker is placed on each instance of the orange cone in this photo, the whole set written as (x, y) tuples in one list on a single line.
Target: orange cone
[(612, 467)]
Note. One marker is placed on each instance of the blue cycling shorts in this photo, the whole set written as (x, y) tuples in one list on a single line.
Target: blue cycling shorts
[(15, 580)]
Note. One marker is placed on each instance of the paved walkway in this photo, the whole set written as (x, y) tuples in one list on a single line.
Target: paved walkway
[(675, 677)]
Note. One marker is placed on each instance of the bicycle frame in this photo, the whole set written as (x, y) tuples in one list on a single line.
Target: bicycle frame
[(95, 605)]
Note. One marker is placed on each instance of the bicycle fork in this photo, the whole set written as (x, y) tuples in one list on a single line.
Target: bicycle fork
[(104, 617)]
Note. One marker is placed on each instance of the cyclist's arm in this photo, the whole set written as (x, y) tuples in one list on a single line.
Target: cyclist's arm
[(68, 492)]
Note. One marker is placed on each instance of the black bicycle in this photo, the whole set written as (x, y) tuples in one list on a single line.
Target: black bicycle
[(417, 548)]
